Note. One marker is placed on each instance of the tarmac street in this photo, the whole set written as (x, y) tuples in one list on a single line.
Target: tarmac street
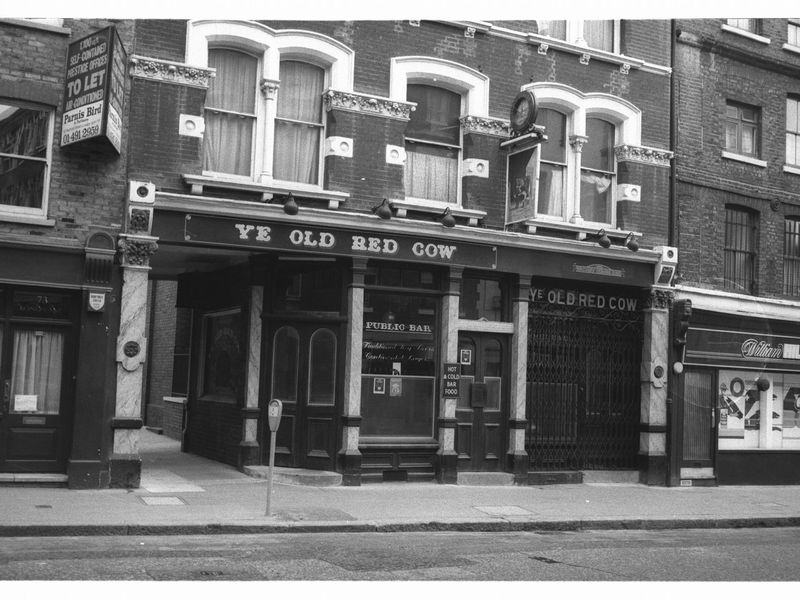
[(185, 494)]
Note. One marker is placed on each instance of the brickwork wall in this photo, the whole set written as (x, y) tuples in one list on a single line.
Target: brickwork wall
[(713, 66), (161, 343), (172, 420), (87, 185)]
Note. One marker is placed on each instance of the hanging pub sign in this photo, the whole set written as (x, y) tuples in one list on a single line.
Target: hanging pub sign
[(94, 90), (523, 177)]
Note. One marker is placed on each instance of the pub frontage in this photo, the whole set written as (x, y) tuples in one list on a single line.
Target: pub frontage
[(405, 350)]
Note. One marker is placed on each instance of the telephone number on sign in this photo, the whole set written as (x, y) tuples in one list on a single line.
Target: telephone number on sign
[(79, 134)]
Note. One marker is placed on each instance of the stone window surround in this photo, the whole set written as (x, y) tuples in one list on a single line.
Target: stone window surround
[(270, 46), (578, 106)]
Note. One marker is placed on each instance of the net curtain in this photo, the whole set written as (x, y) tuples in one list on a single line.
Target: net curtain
[(37, 363), (298, 125)]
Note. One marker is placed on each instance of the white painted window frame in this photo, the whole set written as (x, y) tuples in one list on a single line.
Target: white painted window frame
[(579, 106), (271, 46)]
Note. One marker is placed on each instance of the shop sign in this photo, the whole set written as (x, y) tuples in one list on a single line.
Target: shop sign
[(450, 380), (713, 346), (94, 89), (281, 236), (577, 299), (401, 327)]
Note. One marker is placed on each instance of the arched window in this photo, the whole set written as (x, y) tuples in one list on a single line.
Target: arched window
[(264, 107)]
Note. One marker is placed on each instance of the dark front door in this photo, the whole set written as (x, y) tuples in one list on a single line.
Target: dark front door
[(699, 419), (482, 409), (305, 377), (35, 383)]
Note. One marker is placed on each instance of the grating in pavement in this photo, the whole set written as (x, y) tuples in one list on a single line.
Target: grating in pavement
[(504, 511), (162, 500)]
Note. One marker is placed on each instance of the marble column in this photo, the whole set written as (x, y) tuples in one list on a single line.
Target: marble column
[(517, 456), (577, 142), (446, 456), (653, 377), (249, 450), (125, 464), (349, 458)]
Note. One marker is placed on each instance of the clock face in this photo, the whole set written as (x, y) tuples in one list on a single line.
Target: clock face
[(522, 112)]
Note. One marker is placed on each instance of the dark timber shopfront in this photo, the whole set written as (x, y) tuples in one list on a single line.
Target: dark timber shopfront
[(407, 353)]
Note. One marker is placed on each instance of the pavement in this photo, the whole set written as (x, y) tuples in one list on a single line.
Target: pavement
[(184, 494)]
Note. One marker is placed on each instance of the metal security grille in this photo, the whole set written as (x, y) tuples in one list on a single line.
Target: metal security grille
[(583, 393)]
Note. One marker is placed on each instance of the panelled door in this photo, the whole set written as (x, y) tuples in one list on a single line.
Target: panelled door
[(304, 376), (36, 383), (482, 409), (699, 419)]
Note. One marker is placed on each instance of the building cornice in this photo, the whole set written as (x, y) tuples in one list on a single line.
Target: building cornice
[(643, 154), (364, 103), (156, 69)]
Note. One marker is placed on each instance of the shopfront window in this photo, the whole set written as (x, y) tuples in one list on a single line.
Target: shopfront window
[(750, 418), (398, 368), (223, 359)]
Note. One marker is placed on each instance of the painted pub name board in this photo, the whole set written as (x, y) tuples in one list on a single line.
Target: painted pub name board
[(562, 297), (279, 236)]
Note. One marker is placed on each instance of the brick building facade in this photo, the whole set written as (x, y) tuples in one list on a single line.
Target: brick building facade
[(736, 198)]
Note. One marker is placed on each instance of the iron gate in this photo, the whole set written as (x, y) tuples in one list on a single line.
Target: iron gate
[(583, 400)]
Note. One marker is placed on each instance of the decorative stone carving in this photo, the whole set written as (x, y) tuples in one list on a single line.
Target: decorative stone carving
[(469, 32), (577, 142), (486, 126), (659, 299), (140, 220), (642, 154), (543, 48), (625, 68), (171, 72), (269, 87), (136, 250), (385, 107), (585, 58)]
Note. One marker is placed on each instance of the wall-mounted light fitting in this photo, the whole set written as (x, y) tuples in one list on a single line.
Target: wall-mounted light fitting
[(631, 243), (383, 210), (446, 218), (289, 204), (602, 239)]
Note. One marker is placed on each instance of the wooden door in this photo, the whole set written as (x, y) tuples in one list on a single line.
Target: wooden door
[(482, 409), (304, 376)]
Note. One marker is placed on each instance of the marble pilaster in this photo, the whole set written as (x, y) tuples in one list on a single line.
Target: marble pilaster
[(447, 457), (349, 454), (125, 464), (248, 447), (653, 378), (517, 456)]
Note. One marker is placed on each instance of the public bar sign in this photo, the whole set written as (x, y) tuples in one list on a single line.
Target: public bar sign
[(280, 236), (94, 90)]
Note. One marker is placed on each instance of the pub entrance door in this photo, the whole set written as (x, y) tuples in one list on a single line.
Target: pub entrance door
[(699, 429), (36, 381), (482, 409), (304, 359)]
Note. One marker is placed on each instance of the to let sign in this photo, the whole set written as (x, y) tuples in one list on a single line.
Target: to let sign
[(94, 89), (450, 382)]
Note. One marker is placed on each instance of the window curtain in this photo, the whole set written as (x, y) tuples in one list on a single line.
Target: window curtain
[(554, 29), (298, 127), (431, 172), (599, 34), (230, 112), (36, 370), (552, 189), (597, 175)]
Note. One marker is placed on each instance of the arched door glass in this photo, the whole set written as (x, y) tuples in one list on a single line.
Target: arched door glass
[(322, 367), (285, 361)]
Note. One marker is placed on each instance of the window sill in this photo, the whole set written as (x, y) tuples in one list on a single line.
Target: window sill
[(747, 34), (791, 48), (199, 182), (26, 219), (745, 159), (580, 231), (31, 24), (592, 53), (431, 206), (791, 169)]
